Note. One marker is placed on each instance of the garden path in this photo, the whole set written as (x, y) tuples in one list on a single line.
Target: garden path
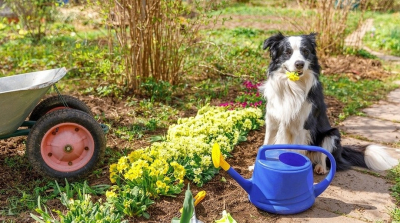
[(361, 195)]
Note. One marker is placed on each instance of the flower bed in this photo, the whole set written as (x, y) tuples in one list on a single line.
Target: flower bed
[(186, 152)]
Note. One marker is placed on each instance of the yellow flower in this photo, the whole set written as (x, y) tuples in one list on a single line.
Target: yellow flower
[(122, 164), (196, 180), (293, 76), (135, 155), (206, 161), (179, 171), (113, 177), (247, 124), (160, 184), (127, 203), (197, 171), (111, 194), (113, 168)]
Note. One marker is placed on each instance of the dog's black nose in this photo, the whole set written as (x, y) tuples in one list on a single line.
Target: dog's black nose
[(299, 64)]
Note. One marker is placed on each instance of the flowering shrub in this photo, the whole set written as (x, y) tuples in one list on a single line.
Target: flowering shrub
[(84, 210), (128, 200), (155, 174), (186, 152), (193, 137), (160, 168), (251, 97), (140, 176), (81, 209)]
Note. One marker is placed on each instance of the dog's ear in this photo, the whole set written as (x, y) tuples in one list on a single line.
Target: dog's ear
[(272, 42), (313, 38)]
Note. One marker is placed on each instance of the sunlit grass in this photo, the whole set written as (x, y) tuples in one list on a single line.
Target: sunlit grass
[(355, 95), (385, 34)]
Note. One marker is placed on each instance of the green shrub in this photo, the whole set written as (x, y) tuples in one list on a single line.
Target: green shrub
[(80, 209), (156, 47), (157, 90), (129, 201), (35, 15)]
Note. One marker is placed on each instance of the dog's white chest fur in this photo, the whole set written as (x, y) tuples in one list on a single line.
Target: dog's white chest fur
[(287, 110), (287, 100)]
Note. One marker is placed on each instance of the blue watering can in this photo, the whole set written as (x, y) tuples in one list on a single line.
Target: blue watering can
[(282, 181)]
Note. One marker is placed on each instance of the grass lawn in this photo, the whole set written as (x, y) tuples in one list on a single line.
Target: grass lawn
[(385, 34)]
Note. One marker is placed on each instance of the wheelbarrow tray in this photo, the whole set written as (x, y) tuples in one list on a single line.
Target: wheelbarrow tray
[(19, 94)]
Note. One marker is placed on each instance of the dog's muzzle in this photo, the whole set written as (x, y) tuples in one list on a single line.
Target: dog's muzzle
[(299, 66)]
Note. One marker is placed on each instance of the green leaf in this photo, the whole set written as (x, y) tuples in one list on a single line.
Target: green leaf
[(242, 138), (146, 215), (188, 207), (37, 218)]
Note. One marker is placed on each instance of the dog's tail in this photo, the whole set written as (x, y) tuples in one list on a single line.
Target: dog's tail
[(372, 157)]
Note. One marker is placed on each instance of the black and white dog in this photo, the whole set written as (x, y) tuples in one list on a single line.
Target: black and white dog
[(296, 111)]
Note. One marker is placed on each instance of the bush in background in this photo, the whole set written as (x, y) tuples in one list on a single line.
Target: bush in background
[(152, 37), (34, 15), (330, 23)]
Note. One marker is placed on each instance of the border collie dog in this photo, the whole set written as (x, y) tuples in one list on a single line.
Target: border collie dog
[(296, 111)]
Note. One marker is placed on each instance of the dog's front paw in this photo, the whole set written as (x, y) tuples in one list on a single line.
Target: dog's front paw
[(251, 168), (319, 169)]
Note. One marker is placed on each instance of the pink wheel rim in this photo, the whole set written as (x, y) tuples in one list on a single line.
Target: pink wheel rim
[(56, 108), (67, 147)]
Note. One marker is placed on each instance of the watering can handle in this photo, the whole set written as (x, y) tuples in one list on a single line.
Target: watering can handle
[(321, 186)]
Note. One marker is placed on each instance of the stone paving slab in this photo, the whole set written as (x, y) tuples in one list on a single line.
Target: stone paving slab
[(382, 56), (316, 215), (394, 96), (371, 128), (360, 196), (355, 38), (384, 110), (351, 197)]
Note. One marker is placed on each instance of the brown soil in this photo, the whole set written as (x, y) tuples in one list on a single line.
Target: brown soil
[(355, 68)]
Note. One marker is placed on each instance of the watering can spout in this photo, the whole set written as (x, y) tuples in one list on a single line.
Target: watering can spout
[(244, 183), (219, 161)]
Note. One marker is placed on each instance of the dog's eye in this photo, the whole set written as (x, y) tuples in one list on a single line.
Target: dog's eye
[(305, 52), (288, 52)]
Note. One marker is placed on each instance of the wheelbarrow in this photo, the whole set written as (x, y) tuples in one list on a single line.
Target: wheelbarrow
[(64, 140)]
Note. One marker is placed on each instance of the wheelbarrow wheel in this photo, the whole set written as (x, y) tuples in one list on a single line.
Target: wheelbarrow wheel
[(66, 143), (54, 103)]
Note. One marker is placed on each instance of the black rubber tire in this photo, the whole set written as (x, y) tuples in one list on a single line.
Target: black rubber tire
[(54, 102), (49, 120)]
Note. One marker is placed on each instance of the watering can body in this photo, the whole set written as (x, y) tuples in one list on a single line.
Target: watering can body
[(282, 181)]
